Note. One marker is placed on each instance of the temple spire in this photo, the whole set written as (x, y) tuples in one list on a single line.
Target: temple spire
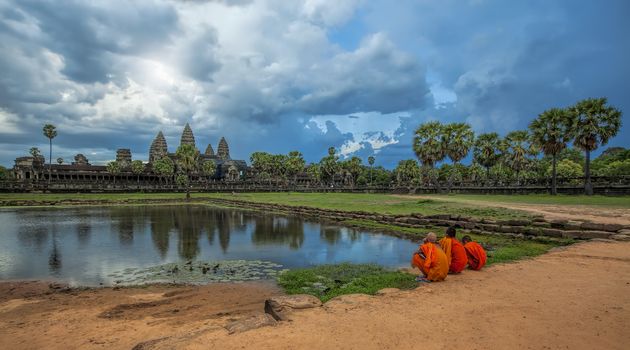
[(209, 150), (223, 151), (158, 148), (187, 137)]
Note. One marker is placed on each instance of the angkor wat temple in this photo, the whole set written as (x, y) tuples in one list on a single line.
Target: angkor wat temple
[(81, 172)]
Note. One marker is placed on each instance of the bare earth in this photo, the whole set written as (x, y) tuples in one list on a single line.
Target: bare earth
[(575, 298), (556, 212)]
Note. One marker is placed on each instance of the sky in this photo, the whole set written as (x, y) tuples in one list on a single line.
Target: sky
[(278, 76)]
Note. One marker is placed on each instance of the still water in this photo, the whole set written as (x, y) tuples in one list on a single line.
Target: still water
[(83, 246)]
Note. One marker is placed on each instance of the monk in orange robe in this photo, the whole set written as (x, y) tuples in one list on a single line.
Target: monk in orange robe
[(454, 250), (476, 254), (431, 260)]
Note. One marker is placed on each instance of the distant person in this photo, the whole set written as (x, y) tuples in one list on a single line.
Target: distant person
[(431, 260), (476, 254), (454, 250)]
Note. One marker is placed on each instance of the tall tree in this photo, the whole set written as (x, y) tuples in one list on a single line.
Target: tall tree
[(458, 139), (164, 167), (187, 162), (407, 172), (352, 167), (595, 124), (487, 150), (137, 167), (315, 172), (329, 166), (50, 131), (551, 132), (294, 164), (428, 143), (114, 168), (209, 168), (371, 162), (518, 151)]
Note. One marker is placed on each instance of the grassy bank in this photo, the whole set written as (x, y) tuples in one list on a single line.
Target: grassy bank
[(376, 203), (579, 200), (500, 248), (329, 281)]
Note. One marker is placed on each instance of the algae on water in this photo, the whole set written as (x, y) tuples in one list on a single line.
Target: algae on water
[(199, 272)]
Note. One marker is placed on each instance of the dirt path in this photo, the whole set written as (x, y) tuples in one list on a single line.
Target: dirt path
[(576, 298), (554, 212)]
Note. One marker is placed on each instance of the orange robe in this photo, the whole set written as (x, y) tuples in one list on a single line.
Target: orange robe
[(433, 264), (476, 255), (456, 254)]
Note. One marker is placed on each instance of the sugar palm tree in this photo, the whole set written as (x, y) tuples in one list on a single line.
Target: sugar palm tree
[(50, 131), (487, 150), (114, 168), (595, 124), (519, 150), (371, 162), (551, 132), (458, 139), (428, 143), (187, 161)]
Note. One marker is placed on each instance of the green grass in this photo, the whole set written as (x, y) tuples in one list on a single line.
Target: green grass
[(329, 281), (376, 203), (500, 249), (598, 201)]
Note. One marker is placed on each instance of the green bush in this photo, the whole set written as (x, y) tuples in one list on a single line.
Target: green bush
[(329, 281)]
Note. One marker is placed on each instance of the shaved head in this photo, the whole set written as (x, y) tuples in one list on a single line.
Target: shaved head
[(431, 237)]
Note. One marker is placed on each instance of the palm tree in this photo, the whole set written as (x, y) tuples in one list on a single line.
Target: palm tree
[(487, 150), (518, 150), (187, 161), (428, 143), (551, 132), (329, 165), (137, 167), (595, 124), (458, 138), (114, 168), (371, 162), (50, 131)]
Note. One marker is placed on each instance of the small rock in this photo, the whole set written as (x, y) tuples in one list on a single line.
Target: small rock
[(256, 321), (620, 237)]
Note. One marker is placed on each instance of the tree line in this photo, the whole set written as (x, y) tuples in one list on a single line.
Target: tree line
[(588, 124), (543, 150)]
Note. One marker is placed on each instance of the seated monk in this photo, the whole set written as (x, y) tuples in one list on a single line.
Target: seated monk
[(476, 254), (455, 252), (431, 260)]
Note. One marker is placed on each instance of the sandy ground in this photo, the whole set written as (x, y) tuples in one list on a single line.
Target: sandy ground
[(574, 298), (555, 212)]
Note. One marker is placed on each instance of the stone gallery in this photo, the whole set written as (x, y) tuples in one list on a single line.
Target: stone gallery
[(34, 168)]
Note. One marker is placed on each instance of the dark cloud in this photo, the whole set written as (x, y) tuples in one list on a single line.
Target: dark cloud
[(111, 74), (86, 35)]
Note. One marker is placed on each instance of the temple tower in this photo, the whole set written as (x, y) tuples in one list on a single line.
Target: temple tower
[(123, 157), (158, 148), (187, 137), (223, 151), (209, 150)]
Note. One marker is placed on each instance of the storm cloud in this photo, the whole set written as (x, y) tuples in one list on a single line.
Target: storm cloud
[(277, 76)]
